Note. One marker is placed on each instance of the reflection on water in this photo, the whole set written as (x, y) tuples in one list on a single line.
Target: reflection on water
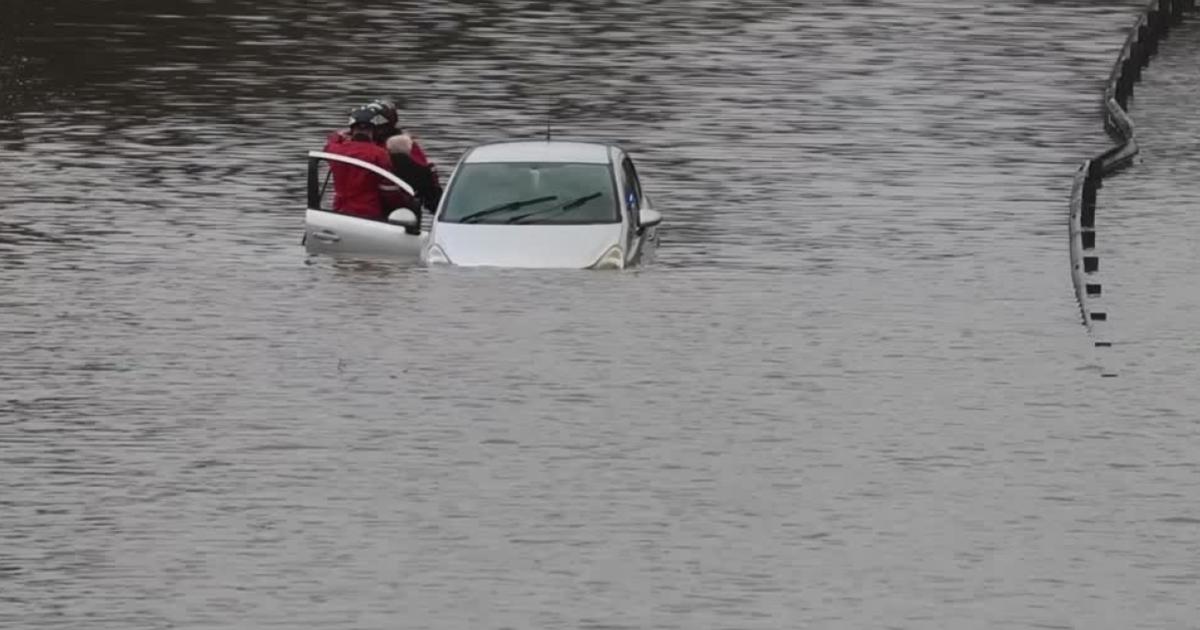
[(852, 392)]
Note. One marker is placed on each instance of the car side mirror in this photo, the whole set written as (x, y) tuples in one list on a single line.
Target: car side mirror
[(648, 218), (403, 217)]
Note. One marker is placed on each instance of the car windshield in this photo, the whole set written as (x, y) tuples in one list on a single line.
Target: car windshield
[(519, 193)]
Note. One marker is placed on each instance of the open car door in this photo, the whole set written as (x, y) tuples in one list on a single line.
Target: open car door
[(636, 206), (329, 232)]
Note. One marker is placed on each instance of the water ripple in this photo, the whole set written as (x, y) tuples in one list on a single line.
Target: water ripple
[(851, 392)]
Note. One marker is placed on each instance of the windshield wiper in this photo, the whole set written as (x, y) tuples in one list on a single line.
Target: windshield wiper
[(570, 205), (504, 207)]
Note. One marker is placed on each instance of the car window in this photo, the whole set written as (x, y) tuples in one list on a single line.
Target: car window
[(324, 175), (633, 188), (528, 192)]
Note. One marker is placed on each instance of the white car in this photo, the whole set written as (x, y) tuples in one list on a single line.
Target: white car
[(546, 204)]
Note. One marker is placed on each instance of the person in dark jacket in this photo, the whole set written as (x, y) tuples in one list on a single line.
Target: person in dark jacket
[(391, 127), (412, 164), (423, 179)]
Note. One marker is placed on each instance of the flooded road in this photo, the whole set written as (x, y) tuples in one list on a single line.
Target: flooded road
[(853, 391)]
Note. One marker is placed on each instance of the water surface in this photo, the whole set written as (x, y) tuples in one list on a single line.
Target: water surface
[(854, 391)]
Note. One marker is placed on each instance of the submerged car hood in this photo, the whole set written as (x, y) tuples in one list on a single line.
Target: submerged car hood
[(542, 246)]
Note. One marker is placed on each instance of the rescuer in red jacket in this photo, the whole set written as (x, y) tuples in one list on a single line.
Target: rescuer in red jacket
[(357, 191)]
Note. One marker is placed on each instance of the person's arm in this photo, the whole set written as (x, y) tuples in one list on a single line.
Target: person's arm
[(418, 154), (431, 188), (394, 197), (432, 192)]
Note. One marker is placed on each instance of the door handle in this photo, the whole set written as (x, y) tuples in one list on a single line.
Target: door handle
[(326, 236)]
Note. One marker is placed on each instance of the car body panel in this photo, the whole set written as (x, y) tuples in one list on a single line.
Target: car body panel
[(329, 232), (342, 234), (530, 246)]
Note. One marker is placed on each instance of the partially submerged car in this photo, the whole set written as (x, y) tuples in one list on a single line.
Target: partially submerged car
[(544, 204)]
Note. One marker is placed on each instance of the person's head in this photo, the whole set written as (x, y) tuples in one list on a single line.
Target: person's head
[(363, 123), (400, 144), (391, 116)]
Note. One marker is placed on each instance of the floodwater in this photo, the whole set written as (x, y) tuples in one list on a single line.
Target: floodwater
[(854, 390)]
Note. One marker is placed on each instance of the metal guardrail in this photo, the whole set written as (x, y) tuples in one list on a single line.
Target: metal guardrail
[(1141, 44)]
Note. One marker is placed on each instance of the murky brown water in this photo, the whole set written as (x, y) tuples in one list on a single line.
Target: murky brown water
[(852, 392)]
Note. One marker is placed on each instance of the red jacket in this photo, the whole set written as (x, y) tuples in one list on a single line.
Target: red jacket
[(356, 190), (418, 155)]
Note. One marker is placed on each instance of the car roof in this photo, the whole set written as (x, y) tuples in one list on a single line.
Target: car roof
[(541, 151)]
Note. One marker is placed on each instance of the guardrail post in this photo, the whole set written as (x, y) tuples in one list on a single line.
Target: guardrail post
[(1146, 46), (1174, 9), (1087, 211), (1125, 82)]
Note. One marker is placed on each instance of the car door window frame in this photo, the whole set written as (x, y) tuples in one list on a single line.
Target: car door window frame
[(630, 184), (316, 188)]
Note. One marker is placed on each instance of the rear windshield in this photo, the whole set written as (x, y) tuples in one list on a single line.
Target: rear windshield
[(529, 192)]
